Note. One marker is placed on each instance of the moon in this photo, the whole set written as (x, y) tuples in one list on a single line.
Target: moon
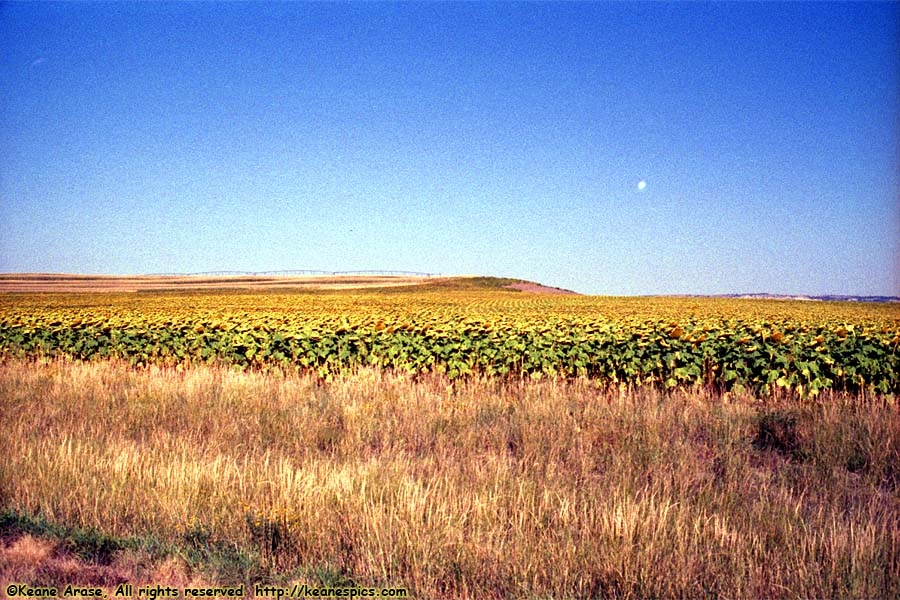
[(641, 184)]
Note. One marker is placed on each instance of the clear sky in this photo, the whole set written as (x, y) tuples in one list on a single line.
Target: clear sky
[(496, 139)]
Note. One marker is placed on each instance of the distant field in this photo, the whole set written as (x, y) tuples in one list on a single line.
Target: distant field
[(43, 282)]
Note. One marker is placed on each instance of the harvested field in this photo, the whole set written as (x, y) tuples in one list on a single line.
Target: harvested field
[(51, 282)]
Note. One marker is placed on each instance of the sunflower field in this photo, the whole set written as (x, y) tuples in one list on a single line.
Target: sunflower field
[(494, 332)]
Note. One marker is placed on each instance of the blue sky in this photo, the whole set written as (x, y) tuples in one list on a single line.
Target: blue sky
[(497, 139)]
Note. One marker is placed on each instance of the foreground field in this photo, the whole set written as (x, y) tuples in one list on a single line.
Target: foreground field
[(457, 438), (478, 488)]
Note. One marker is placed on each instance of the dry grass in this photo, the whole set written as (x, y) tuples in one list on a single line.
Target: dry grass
[(477, 489)]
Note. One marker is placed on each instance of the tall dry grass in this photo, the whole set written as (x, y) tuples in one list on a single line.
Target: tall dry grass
[(482, 489)]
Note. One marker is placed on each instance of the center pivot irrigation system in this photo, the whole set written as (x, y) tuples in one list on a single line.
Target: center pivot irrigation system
[(295, 272)]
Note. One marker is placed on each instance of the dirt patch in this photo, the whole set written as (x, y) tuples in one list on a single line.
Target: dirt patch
[(537, 288), (41, 561)]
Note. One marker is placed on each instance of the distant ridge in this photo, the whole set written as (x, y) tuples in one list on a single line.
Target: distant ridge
[(258, 281)]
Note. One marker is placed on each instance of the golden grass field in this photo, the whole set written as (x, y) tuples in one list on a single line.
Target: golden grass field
[(470, 488)]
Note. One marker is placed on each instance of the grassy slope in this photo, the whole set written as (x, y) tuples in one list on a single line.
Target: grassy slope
[(469, 490)]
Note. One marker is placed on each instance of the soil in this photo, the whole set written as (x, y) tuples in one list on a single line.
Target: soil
[(539, 289)]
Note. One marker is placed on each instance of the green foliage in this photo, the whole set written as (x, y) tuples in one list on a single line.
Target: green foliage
[(492, 333)]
